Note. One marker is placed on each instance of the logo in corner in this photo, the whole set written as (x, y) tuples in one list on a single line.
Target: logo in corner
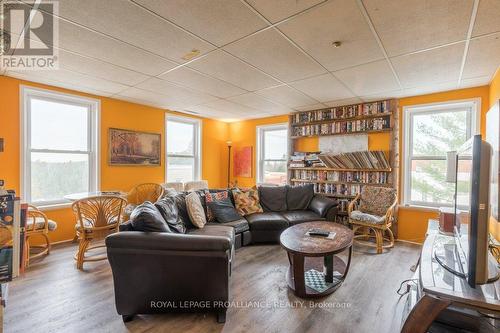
[(29, 36)]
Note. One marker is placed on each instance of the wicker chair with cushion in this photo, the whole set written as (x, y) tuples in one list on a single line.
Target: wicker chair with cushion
[(142, 193), (196, 185), (373, 210), (96, 217), (37, 223)]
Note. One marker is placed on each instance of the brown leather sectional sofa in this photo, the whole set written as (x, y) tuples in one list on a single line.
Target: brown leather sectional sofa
[(157, 272)]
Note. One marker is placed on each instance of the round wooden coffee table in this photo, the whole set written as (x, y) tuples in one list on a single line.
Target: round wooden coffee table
[(315, 270)]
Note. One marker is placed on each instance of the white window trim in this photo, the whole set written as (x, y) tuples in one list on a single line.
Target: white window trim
[(94, 137), (260, 151), (197, 143), (408, 112)]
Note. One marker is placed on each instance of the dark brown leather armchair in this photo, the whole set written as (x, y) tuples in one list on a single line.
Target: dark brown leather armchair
[(166, 272)]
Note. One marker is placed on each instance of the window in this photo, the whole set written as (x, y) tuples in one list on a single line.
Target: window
[(430, 132), (59, 145), (272, 154), (183, 149)]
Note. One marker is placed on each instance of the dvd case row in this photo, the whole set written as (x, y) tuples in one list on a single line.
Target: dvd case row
[(373, 177), (343, 127), (342, 112)]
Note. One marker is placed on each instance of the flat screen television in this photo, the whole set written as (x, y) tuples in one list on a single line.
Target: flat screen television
[(472, 208)]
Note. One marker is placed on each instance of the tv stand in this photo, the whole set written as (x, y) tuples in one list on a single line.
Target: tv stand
[(442, 297)]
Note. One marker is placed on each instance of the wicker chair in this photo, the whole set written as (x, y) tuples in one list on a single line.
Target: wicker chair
[(196, 185), (37, 224), (142, 193), (374, 212), (96, 217)]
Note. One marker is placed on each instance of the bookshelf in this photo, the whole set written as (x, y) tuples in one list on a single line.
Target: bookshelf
[(344, 183)]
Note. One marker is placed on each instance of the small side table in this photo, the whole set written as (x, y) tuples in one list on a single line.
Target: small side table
[(314, 258)]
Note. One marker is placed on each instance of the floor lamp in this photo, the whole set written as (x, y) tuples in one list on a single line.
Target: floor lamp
[(229, 144)]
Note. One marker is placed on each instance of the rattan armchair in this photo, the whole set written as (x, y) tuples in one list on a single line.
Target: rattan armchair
[(37, 224), (373, 210), (96, 217), (142, 193)]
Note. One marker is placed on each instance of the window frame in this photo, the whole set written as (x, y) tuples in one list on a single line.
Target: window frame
[(196, 147), (28, 93), (261, 130), (473, 106)]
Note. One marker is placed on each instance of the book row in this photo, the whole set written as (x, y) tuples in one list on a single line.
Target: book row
[(342, 127), (337, 189), (342, 112), (374, 177), (375, 159)]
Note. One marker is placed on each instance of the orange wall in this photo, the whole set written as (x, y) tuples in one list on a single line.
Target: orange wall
[(413, 221), (114, 113), (243, 134)]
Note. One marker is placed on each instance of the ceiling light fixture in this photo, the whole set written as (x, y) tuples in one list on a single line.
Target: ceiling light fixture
[(336, 44)]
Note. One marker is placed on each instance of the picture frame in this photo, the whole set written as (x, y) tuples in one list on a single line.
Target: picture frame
[(133, 148)]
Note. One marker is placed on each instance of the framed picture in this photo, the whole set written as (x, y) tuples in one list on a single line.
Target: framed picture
[(243, 162), (133, 148)]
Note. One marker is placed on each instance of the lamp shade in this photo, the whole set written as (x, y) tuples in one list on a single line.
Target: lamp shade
[(451, 166)]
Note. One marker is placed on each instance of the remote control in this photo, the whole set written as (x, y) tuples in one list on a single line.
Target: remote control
[(318, 232)]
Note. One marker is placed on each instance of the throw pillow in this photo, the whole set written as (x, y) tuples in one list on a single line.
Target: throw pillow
[(180, 201), (273, 198), (247, 201), (299, 197), (211, 197), (168, 209), (195, 210), (223, 210), (146, 217)]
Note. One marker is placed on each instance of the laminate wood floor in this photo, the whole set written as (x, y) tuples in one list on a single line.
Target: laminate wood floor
[(53, 296)]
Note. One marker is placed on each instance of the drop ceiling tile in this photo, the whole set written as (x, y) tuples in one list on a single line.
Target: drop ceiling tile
[(32, 77), (272, 53), (151, 98), (339, 20), (487, 19), (218, 21), (428, 67), (382, 95), (316, 106), (277, 10), (257, 102), (475, 81), (132, 24), (177, 93), (228, 68), (429, 89), (202, 82), (286, 96), (411, 25), (99, 69), (86, 42), (369, 78), (230, 107), (74, 79), (483, 57), (323, 88), (340, 102)]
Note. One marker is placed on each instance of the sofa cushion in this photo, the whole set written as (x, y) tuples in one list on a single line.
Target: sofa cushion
[(299, 216), (215, 230), (267, 221), (273, 198), (170, 213), (146, 217), (195, 210), (247, 201), (223, 210), (180, 201), (299, 197), (239, 226)]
